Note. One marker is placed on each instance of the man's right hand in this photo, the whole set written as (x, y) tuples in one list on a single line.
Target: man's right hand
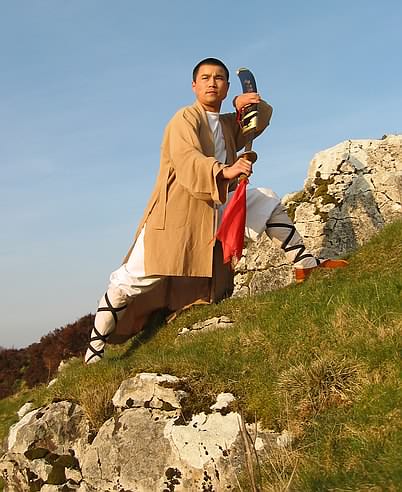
[(241, 166)]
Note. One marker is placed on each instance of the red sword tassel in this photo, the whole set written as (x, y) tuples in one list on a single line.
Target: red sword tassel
[(231, 230)]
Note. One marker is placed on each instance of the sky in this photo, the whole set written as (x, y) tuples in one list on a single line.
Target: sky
[(87, 87)]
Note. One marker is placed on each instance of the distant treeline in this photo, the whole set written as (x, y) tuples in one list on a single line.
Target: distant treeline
[(38, 362)]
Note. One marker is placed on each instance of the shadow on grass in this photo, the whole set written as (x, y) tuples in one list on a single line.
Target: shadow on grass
[(156, 321)]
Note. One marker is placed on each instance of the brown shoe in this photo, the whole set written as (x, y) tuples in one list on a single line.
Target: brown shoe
[(301, 274)]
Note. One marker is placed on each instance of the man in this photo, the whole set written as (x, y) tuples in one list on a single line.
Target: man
[(175, 260)]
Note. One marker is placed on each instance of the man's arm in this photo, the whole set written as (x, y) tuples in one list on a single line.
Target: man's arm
[(198, 174), (264, 116)]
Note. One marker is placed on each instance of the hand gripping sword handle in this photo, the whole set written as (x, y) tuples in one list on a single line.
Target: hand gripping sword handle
[(251, 156)]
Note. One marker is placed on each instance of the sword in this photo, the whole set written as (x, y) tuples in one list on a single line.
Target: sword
[(248, 117)]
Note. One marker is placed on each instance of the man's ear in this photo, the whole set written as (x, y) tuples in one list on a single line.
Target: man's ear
[(193, 85), (227, 89)]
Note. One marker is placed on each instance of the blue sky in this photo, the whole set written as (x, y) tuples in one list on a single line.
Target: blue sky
[(86, 88)]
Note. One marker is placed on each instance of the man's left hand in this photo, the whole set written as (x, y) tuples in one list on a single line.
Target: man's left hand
[(245, 99)]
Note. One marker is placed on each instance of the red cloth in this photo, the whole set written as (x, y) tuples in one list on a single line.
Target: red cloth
[(231, 230)]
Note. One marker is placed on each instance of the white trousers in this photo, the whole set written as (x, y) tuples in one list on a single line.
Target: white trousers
[(262, 204), (264, 213)]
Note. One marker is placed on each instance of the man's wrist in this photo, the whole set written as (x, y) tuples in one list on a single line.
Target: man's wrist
[(221, 174)]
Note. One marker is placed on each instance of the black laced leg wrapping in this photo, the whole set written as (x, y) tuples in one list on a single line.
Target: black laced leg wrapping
[(299, 248), (112, 309), (96, 335)]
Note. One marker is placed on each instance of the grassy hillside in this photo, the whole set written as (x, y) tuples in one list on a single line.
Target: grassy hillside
[(321, 359)]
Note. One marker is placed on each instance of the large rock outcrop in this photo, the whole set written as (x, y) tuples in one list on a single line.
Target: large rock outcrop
[(150, 444), (351, 191)]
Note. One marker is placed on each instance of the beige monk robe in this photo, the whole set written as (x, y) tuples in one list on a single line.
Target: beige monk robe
[(181, 217)]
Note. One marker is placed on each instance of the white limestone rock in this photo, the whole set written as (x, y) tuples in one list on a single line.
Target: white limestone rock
[(46, 445), (150, 446), (210, 324), (26, 407), (223, 400), (149, 390), (59, 428), (351, 191)]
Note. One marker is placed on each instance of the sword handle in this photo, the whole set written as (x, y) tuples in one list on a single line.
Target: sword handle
[(251, 156)]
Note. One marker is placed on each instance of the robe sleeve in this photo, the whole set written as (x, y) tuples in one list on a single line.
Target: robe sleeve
[(196, 172)]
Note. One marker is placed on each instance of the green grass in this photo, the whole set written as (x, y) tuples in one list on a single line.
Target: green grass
[(321, 359), (8, 411)]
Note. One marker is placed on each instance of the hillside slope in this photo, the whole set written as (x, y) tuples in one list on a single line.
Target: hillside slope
[(320, 360)]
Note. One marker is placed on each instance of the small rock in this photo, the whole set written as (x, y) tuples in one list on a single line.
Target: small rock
[(149, 390), (26, 407), (285, 439), (208, 325), (222, 401)]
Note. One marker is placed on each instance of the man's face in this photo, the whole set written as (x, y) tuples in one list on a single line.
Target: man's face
[(211, 87)]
